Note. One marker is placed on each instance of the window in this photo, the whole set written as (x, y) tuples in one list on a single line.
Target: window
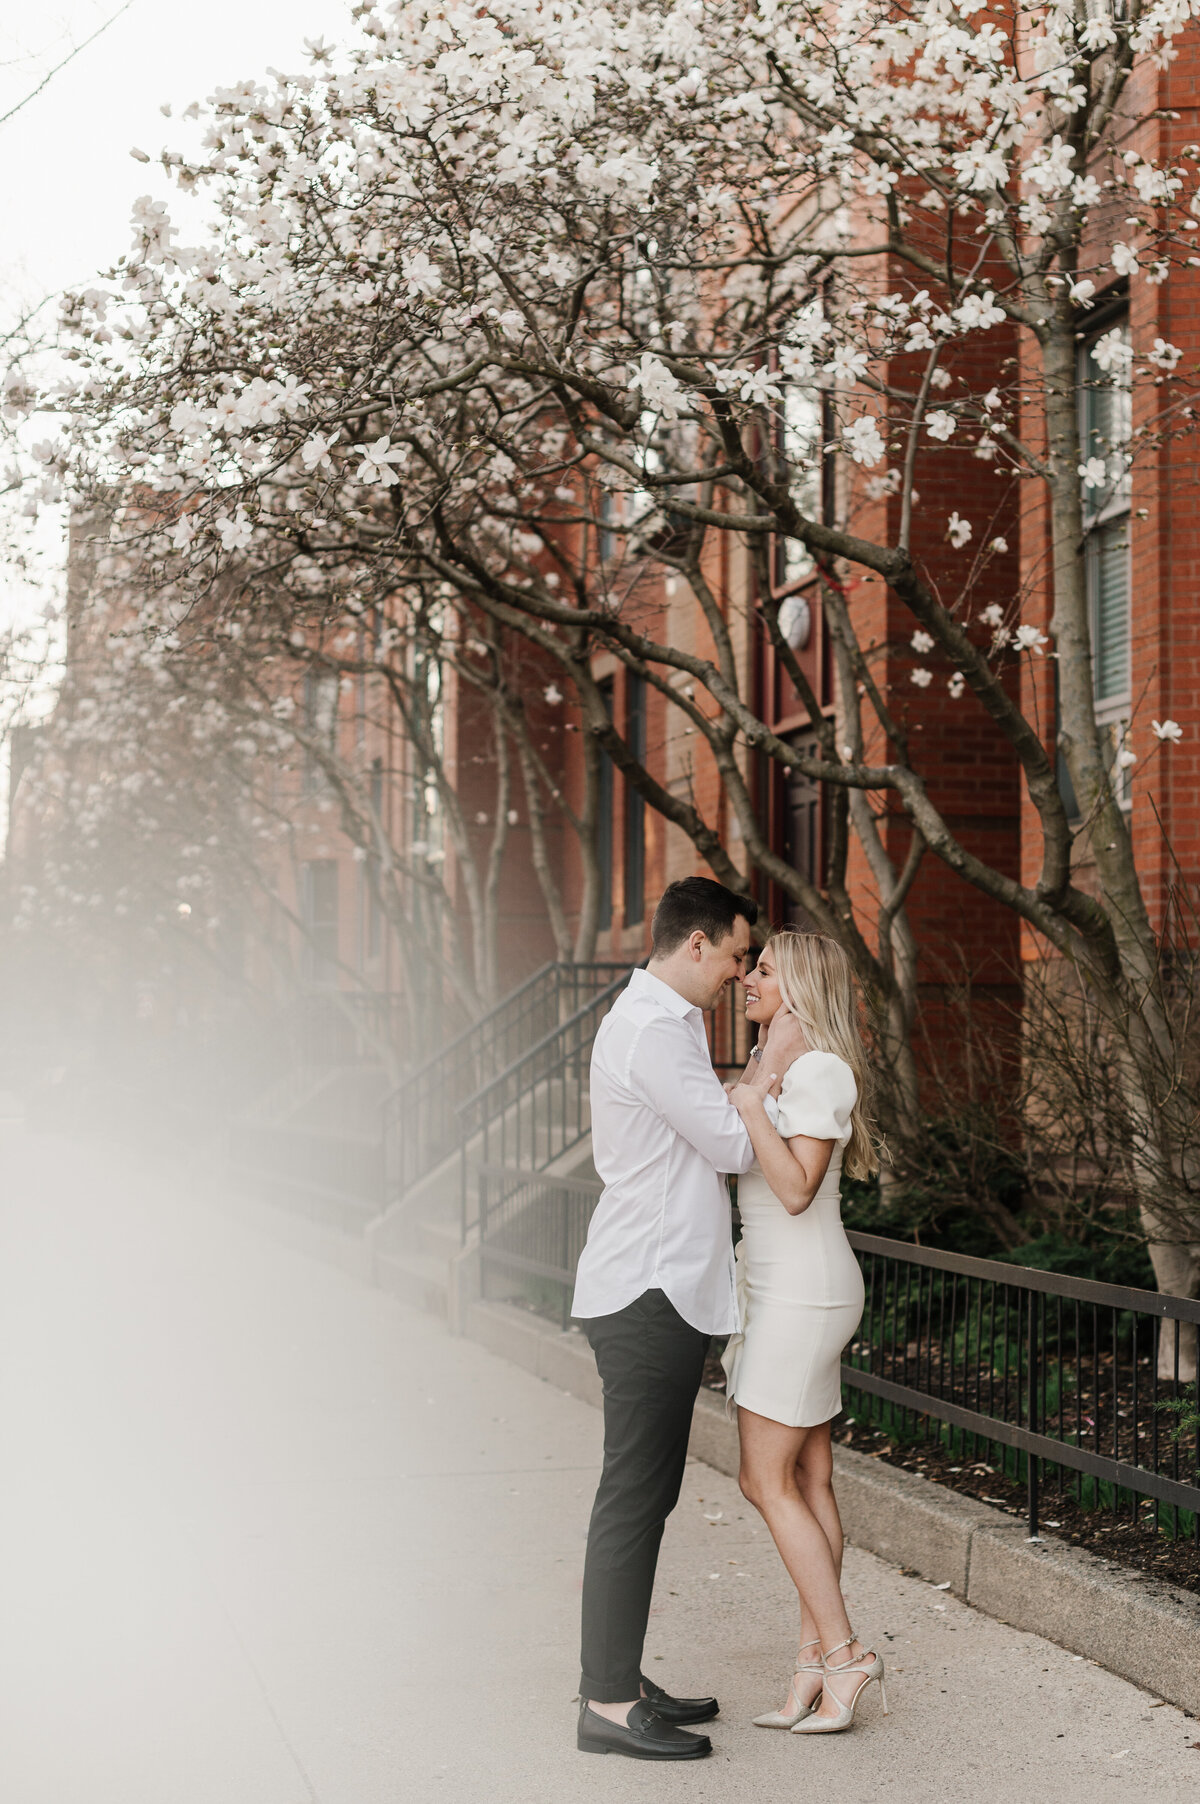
[(320, 723), (319, 914), (802, 831), (604, 826), (800, 435), (635, 803), (607, 538), (803, 427), (1105, 422)]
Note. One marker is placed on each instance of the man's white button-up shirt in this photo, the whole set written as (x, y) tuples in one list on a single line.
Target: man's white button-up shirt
[(663, 1135)]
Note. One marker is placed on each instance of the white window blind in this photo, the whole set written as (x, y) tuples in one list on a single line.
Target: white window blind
[(1108, 555)]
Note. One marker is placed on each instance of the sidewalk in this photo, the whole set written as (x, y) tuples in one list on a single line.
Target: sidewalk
[(269, 1538)]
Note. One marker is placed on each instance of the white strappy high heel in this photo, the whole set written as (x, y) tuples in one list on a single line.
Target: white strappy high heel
[(783, 1719), (812, 1724)]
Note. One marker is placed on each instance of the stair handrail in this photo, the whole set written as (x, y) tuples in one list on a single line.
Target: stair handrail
[(609, 991), (431, 1079), (472, 1027), (597, 1006)]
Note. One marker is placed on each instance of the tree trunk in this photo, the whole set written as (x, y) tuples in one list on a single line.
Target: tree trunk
[(589, 908)]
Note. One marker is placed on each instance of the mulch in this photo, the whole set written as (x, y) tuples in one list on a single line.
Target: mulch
[(1112, 1538)]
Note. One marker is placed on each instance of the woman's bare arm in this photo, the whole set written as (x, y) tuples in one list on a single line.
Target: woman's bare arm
[(793, 1168)]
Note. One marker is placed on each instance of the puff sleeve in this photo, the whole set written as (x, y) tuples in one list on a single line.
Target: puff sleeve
[(817, 1097)]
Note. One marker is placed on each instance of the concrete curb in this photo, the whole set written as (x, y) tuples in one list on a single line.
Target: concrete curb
[(1131, 1624)]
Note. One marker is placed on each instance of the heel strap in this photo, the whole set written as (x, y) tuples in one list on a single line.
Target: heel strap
[(847, 1665)]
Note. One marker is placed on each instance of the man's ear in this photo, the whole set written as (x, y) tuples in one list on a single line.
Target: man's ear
[(696, 944)]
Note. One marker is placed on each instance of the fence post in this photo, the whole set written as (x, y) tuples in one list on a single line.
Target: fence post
[(483, 1210), (462, 1195), (564, 1197), (1031, 1464)]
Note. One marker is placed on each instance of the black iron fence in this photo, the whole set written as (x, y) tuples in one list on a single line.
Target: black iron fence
[(1060, 1382), (420, 1118), (1062, 1379)]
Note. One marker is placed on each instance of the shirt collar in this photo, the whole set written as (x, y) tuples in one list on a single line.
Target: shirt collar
[(644, 983)]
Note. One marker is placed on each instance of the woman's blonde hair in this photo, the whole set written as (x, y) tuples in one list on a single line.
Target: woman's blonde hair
[(816, 981)]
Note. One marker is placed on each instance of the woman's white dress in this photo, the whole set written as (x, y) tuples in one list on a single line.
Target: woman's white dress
[(800, 1290)]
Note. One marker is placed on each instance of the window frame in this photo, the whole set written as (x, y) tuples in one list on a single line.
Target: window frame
[(1114, 511)]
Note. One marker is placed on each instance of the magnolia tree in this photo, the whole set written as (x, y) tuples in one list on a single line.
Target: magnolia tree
[(500, 281), (208, 747), (132, 848), (353, 699)]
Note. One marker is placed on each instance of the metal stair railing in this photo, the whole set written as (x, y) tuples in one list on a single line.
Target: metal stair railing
[(420, 1125), (535, 1111), (532, 1229)]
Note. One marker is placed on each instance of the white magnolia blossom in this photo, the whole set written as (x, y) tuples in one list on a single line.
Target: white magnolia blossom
[(234, 532), (1112, 353), (1124, 259), (314, 453), (993, 614), (1094, 472), (421, 275), (1049, 168), (379, 461), (958, 531), (797, 362), (863, 440), (921, 677), (999, 545), (1164, 356), (922, 642), (1030, 638), (956, 685), (659, 388), (1126, 758), (848, 363), (1168, 730), (940, 424), (979, 311)]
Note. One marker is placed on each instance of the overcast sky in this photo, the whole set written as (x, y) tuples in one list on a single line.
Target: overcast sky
[(69, 181)]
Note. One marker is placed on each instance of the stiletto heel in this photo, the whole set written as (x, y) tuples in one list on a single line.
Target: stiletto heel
[(869, 1674), (783, 1719)]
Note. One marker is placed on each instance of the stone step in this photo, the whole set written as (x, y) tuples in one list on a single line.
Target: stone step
[(418, 1279), (436, 1239)]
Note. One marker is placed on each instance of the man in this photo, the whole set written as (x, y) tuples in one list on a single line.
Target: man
[(655, 1282)]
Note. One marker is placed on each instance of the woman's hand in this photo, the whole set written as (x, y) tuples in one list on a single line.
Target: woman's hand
[(743, 1096), (785, 1040)]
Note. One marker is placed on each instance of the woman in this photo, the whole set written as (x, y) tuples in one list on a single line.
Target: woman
[(801, 1294)]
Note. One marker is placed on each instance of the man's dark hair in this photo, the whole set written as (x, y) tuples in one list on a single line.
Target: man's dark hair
[(697, 903)]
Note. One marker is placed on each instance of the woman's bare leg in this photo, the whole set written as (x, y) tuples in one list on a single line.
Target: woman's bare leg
[(770, 1455), (814, 1479)]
